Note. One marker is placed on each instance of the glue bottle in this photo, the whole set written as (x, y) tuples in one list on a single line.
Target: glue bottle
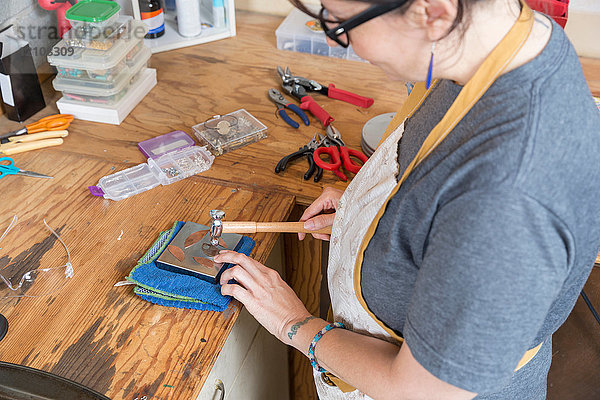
[(188, 17), (153, 16)]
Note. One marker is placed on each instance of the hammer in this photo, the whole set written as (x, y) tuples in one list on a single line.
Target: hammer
[(219, 227)]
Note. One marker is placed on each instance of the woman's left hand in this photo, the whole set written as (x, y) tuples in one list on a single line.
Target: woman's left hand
[(262, 291)]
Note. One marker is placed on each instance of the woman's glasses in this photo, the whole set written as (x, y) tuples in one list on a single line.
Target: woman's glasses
[(338, 30)]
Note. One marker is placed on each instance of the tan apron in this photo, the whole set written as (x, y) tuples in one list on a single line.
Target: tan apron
[(364, 200)]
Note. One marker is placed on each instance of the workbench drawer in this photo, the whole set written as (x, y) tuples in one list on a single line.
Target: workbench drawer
[(253, 364), (231, 357), (264, 373)]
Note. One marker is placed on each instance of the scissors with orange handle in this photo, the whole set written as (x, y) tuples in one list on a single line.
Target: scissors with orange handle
[(57, 122)]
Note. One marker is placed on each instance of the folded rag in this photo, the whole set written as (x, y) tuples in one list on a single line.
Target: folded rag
[(178, 290)]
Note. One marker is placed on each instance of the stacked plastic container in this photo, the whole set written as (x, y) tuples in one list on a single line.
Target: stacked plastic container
[(295, 34), (101, 62)]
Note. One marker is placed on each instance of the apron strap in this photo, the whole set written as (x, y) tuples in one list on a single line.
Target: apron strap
[(414, 101)]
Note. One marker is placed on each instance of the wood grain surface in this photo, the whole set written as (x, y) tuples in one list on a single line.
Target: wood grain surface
[(591, 70), (104, 336), (196, 83), (99, 335)]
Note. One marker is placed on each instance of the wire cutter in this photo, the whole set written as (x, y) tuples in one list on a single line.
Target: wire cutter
[(307, 151), (330, 91), (298, 91), (338, 153), (281, 103)]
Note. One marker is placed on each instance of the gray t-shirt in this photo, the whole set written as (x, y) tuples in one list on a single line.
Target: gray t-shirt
[(483, 251)]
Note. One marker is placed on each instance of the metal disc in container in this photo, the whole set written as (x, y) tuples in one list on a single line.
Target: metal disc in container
[(373, 132)]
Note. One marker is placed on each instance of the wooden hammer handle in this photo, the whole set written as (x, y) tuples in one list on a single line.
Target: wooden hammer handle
[(282, 227), (32, 137), (16, 148)]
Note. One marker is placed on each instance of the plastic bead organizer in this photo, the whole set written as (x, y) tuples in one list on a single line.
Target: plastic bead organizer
[(229, 132)]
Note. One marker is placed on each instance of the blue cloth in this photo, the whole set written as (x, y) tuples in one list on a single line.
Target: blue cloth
[(178, 290)]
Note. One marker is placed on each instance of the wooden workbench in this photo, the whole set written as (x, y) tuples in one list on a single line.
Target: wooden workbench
[(107, 338)]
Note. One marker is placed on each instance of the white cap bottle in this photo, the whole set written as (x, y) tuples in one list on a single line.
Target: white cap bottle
[(188, 17)]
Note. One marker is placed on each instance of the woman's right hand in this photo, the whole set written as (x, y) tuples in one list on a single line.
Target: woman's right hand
[(321, 212)]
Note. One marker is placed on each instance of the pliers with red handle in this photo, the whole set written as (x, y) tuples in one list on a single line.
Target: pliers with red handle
[(306, 102), (330, 91)]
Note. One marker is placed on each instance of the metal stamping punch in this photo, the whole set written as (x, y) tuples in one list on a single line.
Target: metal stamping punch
[(191, 251)]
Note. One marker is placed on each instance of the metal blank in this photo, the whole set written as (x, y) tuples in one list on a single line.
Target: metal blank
[(191, 259)]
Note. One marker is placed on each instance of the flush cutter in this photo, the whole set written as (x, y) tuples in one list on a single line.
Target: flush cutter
[(307, 151), (281, 103)]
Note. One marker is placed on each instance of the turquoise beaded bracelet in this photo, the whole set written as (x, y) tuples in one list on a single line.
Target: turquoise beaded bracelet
[(318, 336)]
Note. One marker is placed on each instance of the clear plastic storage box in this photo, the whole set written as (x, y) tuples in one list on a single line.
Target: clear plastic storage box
[(93, 14), (293, 34), (104, 75), (231, 131), (126, 183), (92, 18), (180, 164), (103, 65), (157, 146), (102, 92), (102, 39), (169, 168), (109, 100)]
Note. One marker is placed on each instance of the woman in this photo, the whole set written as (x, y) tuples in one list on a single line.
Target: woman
[(462, 244)]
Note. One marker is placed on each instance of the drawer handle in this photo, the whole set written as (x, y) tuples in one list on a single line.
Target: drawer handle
[(219, 386)]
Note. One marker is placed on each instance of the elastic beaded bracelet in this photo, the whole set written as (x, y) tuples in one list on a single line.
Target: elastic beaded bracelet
[(318, 336)]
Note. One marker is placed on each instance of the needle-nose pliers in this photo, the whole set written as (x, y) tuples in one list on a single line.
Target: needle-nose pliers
[(281, 103)]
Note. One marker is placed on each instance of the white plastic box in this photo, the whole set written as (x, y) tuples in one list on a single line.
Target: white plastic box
[(294, 35)]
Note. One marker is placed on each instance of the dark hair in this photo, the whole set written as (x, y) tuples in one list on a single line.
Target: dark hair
[(461, 9)]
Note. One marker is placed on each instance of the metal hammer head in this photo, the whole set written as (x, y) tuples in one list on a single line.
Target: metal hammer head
[(216, 227)]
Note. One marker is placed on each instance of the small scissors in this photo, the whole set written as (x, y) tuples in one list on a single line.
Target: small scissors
[(10, 169), (338, 152)]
